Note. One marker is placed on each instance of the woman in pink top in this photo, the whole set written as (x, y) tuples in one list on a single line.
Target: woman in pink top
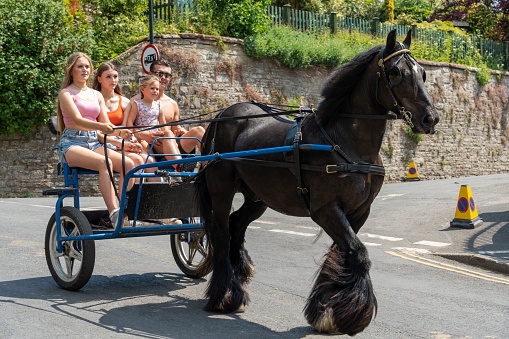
[(81, 112)]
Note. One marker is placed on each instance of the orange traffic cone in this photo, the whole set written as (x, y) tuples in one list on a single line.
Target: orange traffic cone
[(411, 173), (466, 211)]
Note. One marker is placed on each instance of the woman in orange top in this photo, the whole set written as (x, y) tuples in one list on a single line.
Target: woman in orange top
[(106, 82)]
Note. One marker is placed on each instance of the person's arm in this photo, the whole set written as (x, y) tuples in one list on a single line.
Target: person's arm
[(177, 129), (129, 122), (162, 120), (126, 108), (103, 117), (67, 104)]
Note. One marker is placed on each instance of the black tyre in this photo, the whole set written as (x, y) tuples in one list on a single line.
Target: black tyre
[(189, 250), (72, 268)]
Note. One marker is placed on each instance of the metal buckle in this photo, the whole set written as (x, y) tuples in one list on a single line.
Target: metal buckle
[(328, 170)]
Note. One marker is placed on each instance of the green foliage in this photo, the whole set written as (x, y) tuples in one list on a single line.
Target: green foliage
[(318, 6), (408, 12), (361, 9), (36, 37), (296, 49), (387, 12), (246, 18), (117, 25), (233, 18), (483, 76), (417, 138), (483, 21)]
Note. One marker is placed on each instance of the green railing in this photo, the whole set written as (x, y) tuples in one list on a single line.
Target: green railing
[(172, 10), (459, 47)]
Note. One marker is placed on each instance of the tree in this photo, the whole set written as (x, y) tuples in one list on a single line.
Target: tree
[(417, 10), (36, 37), (387, 12), (116, 24), (485, 17)]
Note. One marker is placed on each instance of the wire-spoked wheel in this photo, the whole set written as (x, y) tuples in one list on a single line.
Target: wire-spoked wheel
[(189, 250), (72, 268)]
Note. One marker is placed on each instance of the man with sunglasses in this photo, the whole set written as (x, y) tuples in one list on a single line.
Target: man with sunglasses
[(162, 69), (170, 109)]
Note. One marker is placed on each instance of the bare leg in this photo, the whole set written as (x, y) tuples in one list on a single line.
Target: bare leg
[(189, 144), (85, 158), (116, 161), (168, 146)]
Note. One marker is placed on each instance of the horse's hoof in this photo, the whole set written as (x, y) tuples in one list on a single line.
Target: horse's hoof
[(325, 323)]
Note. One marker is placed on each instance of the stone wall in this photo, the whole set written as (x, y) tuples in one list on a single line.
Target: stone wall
[(210, 74)]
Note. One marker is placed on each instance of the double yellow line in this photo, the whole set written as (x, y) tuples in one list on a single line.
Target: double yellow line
[(451, 268)]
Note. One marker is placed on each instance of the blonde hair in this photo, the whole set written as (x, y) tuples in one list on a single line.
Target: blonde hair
[(67, 80), (147, 81)]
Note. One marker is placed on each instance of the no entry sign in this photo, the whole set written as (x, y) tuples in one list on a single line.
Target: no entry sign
[(148, 56)]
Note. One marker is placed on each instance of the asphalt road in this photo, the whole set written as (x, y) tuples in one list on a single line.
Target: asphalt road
[(138, 291)]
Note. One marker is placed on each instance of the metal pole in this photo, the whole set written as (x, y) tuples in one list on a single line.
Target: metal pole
[(151, 20)]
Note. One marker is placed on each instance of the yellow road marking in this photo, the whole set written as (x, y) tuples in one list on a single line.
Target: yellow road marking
[(451, 268)]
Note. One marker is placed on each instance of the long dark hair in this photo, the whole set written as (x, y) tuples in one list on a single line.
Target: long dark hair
[(105, 67)]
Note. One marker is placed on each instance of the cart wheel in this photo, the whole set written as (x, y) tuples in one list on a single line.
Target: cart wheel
[(189, 250), (72, 268)]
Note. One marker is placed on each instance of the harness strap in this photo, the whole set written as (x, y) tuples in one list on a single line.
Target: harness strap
[(110, 172), (335, 147), (361, 167), (302, 191)]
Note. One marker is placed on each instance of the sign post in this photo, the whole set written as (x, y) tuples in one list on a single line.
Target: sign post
[(148, 56), (151, 20)]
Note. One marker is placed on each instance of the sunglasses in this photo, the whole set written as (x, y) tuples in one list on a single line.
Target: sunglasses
[(163, 74)]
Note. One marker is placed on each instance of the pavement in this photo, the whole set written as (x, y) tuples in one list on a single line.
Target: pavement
[(422, 211)]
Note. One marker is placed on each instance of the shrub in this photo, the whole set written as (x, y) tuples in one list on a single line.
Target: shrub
[(117, 25), (36, 37)]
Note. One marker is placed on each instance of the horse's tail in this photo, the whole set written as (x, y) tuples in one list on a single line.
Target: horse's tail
[(205, 202), (342, 299)]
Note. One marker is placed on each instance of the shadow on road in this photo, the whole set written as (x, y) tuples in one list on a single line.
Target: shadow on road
[(118, 304)]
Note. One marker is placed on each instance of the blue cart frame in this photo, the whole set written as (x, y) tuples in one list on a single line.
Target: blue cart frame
[(70, 248)]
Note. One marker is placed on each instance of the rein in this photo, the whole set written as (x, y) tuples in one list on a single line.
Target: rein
[(402, 112)]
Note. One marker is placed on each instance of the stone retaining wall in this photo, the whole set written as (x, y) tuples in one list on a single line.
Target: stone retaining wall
[(210, 74)]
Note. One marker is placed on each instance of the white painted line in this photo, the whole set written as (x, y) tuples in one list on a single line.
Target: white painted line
[(409, 249), (308, 227), (372, 244), (493, 252), (254, 227), (388, 196), (266, 222), (383, 237), (25, 204), (431, 243), (294, 233)]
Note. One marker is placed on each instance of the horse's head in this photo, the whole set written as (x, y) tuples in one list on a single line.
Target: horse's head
[(401, 85)]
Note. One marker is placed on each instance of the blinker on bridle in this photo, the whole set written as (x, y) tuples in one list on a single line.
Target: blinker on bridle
[(402, 112)]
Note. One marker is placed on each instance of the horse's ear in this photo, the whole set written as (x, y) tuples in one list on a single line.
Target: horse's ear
[(391, 41), (408, 39)]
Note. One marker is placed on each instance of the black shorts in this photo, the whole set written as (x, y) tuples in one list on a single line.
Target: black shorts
[(181, 150)]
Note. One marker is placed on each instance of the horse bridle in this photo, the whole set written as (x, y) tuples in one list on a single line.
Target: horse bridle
[(402, 113)]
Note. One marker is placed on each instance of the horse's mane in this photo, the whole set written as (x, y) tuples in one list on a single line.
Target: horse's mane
[(341, 83)]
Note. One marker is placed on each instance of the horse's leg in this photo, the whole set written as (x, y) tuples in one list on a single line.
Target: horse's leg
[(342, 298), (239, 221), (224, 291)]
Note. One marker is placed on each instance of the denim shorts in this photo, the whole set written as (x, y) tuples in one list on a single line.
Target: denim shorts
[(73, 137)]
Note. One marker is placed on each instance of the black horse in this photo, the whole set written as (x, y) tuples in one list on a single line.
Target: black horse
[(334, 188)]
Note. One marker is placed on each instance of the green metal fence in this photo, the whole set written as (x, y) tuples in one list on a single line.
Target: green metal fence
[(172, 11), (455, 46)]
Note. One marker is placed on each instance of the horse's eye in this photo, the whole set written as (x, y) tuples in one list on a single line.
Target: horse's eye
[(394, 76), (423, 75)]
